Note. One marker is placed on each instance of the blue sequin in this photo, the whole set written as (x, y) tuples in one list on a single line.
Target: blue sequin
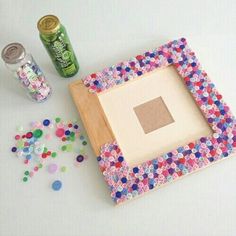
[(46, 122), (26, 149), (170, 154), (222, 112), (118, 194), (120, 158), (181, 166), (56, 185), (134, 186), (180, 149), (152, 55), (145, 176), (225, 154), (123, 180), (67, 132), (125, 191), (28, 157), (96, 82), (211, 159), (151, 186), (155, 166)]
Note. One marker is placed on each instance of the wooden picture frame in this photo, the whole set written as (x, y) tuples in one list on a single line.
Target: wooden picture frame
[(125, 181)]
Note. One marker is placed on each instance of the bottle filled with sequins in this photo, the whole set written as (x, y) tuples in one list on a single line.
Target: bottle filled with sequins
[(56, 41), (25, 69)]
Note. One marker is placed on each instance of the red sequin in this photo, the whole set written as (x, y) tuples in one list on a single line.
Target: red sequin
[(44, 155), (118, 165)]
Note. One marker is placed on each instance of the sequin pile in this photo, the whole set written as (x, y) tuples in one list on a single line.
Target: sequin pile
[(32, 78), (127, 182)]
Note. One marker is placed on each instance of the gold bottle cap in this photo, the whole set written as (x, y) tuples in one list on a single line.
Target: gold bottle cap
[(48, 24)]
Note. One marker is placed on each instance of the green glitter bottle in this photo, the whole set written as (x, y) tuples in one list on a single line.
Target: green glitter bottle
[(56, 41)]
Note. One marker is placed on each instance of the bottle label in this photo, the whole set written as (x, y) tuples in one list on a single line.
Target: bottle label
[(63, 55), (69, 70)]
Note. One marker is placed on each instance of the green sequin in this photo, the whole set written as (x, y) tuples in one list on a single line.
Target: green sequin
[(38, 133), (63, 169), (54, 154), (40, 165), (25, 179), (58, 119), (20, 144), (69, 148), (63, 148)]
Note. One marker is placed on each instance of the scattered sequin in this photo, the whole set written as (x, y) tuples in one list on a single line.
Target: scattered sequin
[(59, 132), (58, 119), (38, 133), (46, 122), (56, 185), (54, 154), (25, 179), (63, 169), (80, 158), (52, 168)]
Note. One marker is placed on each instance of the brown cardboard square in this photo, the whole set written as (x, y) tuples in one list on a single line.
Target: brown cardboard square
[(153, 115)]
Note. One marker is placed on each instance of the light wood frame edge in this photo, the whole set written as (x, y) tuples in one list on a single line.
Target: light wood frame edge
[(92, 116)]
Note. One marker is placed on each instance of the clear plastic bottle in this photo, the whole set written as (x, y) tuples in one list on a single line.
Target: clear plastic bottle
[(25, 69)]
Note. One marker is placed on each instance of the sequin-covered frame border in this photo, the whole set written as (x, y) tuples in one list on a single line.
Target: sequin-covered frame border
[(126, 182)]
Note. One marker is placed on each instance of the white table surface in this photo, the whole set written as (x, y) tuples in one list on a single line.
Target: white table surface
[(103, 33)]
